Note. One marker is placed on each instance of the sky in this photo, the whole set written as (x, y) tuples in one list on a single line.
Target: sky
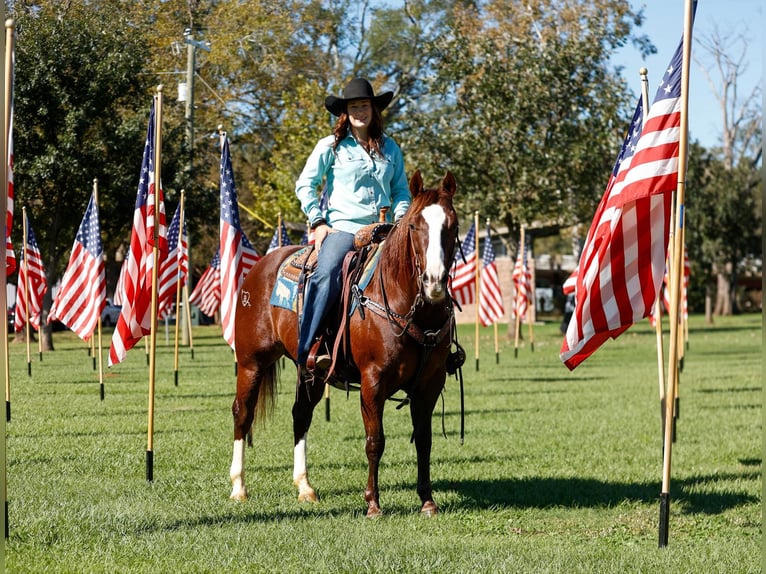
[(664, 24)]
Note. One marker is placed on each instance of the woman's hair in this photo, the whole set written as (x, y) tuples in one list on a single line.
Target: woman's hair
[(375, 131)]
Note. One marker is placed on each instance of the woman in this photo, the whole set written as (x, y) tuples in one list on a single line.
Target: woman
[(363, 172)]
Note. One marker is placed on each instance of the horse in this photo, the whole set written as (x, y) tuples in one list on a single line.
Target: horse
[(399, 341)]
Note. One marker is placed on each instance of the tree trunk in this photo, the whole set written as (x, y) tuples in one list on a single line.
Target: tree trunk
[(723, 295), (708, 303), (47, 338)]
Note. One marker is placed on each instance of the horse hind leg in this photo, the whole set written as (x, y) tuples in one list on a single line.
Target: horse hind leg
[(253, 388)]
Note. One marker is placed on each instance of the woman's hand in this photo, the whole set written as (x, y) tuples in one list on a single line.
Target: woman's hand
[(319, 235)]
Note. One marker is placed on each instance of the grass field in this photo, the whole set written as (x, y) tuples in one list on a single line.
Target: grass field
[(559, 472)]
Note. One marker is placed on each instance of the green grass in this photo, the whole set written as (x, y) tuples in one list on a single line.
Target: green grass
[(559, 472)]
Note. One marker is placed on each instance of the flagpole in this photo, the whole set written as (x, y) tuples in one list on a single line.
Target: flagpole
[(658, 302), (25, 263), (8, 76), (8, 41), (477, 287), (517, 328), (98, 321), (675, 278), (532, 308), (155, 269), (179, 318)]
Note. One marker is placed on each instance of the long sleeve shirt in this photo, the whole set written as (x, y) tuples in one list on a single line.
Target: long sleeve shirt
[(358, 184)]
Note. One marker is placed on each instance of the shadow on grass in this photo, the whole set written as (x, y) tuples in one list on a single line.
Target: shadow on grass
[(730, 390), (593, 493), (477, 495), (724, 328)]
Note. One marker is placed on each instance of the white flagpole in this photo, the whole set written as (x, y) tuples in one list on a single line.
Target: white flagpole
[(675, 278)]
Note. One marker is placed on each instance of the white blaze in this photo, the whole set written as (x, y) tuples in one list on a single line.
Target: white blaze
[(434, 216)]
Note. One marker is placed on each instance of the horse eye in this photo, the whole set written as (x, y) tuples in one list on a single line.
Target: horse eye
[(412, 227)]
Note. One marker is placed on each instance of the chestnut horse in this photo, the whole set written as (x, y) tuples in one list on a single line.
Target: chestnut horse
[(399, 341)]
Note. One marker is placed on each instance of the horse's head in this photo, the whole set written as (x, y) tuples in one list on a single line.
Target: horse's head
[(432, 227)]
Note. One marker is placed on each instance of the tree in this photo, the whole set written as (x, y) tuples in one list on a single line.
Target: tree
[(79, 112), (727, 213), (525, 108)]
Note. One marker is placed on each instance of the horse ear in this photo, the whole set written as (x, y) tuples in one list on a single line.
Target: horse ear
[(449, 185), (416, 183)]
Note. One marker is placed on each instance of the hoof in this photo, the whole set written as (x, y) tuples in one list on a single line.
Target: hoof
[(239, 494), (374, 512), (429, 509), (310, 496)]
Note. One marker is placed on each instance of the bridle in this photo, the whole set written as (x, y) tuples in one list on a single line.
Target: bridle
[(401, 324)]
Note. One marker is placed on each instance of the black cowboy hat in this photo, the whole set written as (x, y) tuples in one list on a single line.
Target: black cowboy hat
[(357, 89)]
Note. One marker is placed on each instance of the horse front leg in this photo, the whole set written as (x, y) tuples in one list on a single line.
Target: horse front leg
[(375, 444), (307, 395), (421, 411)]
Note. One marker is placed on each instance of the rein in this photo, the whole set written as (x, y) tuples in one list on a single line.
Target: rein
[(405, 323)]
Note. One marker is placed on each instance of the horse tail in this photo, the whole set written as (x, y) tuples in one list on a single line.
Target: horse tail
[(267, 393)]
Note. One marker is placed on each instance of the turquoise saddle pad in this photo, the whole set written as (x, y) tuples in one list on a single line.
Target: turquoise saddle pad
[(285, 291)]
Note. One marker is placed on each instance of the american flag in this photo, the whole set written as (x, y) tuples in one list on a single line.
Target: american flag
[(491, 307), (463, 277), (237, 254), (207, 291), (136, 315), (522, 282), (175, 265), (82, 294), (32, 284), (280, 238), (622, 263), (10, 256)]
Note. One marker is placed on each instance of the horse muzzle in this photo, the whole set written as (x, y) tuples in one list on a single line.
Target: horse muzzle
[(434, 288)]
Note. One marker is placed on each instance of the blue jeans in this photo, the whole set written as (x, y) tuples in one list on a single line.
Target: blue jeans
[(323, 288)]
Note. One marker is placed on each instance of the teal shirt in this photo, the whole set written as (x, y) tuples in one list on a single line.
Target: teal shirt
[(358, 185)]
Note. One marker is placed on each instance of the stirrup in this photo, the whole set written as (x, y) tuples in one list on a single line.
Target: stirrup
[(316, 359)]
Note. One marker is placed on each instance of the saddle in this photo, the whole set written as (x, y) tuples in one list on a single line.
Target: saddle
[(305, 260), (301, 266)]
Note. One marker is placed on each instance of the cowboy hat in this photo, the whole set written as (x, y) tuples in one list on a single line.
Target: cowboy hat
[(357, 89)]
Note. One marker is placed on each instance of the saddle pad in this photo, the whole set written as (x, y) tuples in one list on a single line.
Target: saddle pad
[(285, 292)]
